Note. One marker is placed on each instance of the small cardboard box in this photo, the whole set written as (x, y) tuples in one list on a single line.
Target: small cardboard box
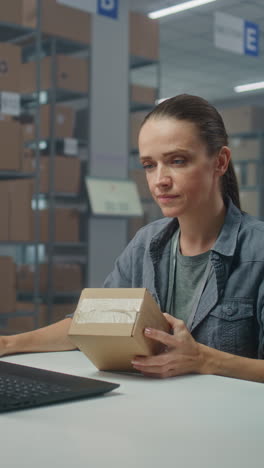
[(23, 12), (108, 326), (144, 36), (65, 21), (243, 119), (66, 170), (10, 63), (63, 128), (71, 74), (10, 137)]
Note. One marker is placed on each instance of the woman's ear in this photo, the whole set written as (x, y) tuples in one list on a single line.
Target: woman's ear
[(222, 160)]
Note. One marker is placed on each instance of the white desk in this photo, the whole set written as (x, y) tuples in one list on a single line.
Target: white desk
[(192, 421)]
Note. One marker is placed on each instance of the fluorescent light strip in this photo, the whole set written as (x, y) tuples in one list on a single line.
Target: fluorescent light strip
[(249, 87), (177, 8)]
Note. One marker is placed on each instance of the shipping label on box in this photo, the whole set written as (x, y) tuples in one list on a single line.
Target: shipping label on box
[(108, 326)]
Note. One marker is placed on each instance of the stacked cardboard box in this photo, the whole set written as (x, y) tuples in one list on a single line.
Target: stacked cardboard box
[(66, 172), (66, 225), (71, 74), (144, 36), (11, 148), (65, 277), (22, 12), (15, 210), (56, 19), (10, 63), (243, 119), (7, 285), (63, 123), (143, 94)]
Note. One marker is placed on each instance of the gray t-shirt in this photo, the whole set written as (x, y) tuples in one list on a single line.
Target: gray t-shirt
[(185, 280)]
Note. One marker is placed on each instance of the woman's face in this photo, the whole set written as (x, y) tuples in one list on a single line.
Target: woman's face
[(182, 178)]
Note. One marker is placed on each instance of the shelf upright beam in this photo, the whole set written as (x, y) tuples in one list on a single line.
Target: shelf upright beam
[(37, 160), (51, 198)]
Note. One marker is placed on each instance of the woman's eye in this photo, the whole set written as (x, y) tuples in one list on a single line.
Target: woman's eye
[(147, 166), (178, 161)]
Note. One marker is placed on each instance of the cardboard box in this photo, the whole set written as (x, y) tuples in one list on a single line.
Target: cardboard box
[(7, 285), (15, 209), (64, 122), (136, 119), (71, 74), (144, 36), (67, 172), (4, 211), (22, 12), (10, 62), (249, 202), (66, 227), (67, 22), (11, 143), (143, 94), (243, 119), (108, 326), (246, 173), (245, 148), (65, 277)]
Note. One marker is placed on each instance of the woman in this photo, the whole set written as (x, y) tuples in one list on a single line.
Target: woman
[(204, 267)]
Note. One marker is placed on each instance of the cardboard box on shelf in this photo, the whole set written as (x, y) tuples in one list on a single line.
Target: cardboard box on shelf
[(66, 22), (11, 143), (15, 209), (67, 172), (65, 277), (249, 202), (66, 225), (10, 63), (245, 148), (22, 12), (243, 119), (108, 326), (64, 122), (71, 74), (20, 214), (143, 94), (144, 36), (136, 119), (4, 210), (7, 285), (250, 170)]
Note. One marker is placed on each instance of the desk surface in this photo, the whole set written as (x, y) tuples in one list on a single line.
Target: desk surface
[(190, 421)]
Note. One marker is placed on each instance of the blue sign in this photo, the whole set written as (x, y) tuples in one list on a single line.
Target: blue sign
[(108, 8), (251, 38)]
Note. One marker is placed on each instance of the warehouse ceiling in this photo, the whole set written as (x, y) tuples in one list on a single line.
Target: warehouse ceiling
[(191, 63)]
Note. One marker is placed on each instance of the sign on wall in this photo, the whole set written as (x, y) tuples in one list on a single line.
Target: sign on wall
[(101, 7), (236, 34)]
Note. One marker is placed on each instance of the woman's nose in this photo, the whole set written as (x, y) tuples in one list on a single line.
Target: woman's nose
[(163, 177)]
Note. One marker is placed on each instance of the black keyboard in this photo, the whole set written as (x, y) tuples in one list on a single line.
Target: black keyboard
[(26, 387)]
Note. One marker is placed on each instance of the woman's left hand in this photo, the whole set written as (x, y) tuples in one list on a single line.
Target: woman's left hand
[(182, 355)]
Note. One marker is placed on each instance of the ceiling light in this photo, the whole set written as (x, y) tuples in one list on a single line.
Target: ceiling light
[(249, 87), (177, 8)]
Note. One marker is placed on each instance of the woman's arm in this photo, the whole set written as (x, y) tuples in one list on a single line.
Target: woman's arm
[(51, 338), (183, 355)]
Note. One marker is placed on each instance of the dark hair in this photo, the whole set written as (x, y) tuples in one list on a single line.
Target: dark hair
[(211, 130)]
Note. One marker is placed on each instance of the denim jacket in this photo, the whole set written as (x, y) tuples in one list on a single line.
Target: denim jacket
[(230, 313)]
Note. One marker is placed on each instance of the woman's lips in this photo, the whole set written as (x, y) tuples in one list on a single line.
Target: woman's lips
[(166, 198)]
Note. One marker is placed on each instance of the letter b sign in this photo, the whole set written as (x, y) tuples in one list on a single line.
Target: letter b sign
[(108, 8)]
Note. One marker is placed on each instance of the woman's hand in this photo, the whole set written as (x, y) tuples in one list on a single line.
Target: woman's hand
[(182, 355)]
